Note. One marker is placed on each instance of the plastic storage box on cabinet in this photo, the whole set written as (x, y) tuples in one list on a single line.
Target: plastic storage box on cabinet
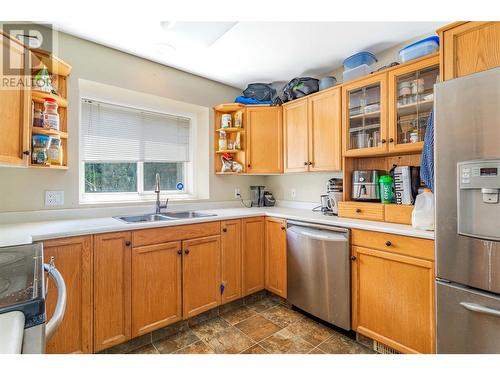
[(418, 49), (358, 59), (357, 72)]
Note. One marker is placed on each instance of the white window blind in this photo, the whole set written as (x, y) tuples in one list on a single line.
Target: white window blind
[(115, 133)]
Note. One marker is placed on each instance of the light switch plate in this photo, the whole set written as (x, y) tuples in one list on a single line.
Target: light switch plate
[(54, 198)]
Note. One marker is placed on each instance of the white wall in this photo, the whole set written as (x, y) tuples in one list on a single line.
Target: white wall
[(22, 189)]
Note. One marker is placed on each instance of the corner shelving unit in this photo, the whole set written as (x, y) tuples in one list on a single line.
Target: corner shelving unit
[(238, 155), (59, 71)]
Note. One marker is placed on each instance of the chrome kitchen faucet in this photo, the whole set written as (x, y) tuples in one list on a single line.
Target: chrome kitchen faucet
[(159, 206)]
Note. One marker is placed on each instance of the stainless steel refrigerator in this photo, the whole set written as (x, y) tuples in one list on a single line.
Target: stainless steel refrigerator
[(467, 186)]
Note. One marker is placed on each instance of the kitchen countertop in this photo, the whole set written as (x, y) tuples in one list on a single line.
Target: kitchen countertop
[(22, 233)]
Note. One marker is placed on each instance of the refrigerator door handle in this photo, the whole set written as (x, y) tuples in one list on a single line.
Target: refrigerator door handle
[(480, 309)]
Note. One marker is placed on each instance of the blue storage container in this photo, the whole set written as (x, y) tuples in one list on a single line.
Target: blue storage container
[(358, 59), (418, 49)]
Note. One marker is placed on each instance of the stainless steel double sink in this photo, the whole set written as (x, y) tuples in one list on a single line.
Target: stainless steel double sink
[(163, 217)]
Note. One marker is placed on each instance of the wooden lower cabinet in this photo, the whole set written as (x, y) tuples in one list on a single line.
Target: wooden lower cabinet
[(112, 289), (275, 263), (253, 254), (393, 298), (73, 259), (156, 286), (201, 275), (231, 260)]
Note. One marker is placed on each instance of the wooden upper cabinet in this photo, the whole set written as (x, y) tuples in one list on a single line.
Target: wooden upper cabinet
[(156, 286), (276, 266), (364, 116), (411, 100), (15, 108), (231, 259), (295, 137), (201, 275), (264, 140), (253, 250), (112, 289), (469, 47), (325, 146), (393, 299), (73, 259)]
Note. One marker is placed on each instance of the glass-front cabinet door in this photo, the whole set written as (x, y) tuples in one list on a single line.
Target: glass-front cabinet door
[(365, 116), (411, 101)]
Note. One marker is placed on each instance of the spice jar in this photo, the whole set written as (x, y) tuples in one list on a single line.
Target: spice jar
[(222, 141), (54, 152), (50, 115), (38, 118), (39, 149)]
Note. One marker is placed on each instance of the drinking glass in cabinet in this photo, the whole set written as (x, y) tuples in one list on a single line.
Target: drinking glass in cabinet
[(364, 117), (415, 100)]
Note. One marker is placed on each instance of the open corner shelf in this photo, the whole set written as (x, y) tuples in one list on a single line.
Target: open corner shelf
[(49, 132), (40, 96), (229, 107), (54, 64), (51, 166)]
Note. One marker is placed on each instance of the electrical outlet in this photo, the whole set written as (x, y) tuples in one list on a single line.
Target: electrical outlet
[(237, 193), (293, 193), (54, 198)]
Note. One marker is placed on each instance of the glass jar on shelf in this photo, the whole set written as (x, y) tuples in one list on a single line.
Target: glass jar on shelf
[(50, 114)]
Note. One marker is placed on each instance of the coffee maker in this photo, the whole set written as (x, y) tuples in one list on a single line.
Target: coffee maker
[(329, 201)]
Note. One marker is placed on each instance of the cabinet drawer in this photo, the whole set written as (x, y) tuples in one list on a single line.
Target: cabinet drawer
[(180, 232), (362, 210), (415, 247)]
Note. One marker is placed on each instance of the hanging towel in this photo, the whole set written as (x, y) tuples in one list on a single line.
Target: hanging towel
[(427, 163), (245, 100)]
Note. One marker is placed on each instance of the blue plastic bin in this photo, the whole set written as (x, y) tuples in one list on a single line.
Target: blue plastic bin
[(358, 59), (418, 49)]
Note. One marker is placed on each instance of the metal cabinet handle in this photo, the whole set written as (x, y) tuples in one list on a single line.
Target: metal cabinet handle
[(310, 163), (480, 309), (186, 251), (224, 229), (283, 228), (306, 163), (353, 258), (27, 152), (388, 243), (383, 141), (128, 243), (179, 252), (391, 140), (358, 210), (248, 165)]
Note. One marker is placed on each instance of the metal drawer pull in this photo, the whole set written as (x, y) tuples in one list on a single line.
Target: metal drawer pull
[(480, 309)]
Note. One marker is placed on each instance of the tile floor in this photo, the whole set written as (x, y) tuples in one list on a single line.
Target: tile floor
[(261, 327)]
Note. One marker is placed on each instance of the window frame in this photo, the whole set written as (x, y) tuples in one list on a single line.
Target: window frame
[(188, 193)]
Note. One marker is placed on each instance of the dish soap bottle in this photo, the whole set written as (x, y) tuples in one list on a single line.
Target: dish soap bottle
[(422, 216)]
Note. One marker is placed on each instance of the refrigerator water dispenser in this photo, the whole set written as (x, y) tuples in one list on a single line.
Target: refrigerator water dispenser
[(478, 199)]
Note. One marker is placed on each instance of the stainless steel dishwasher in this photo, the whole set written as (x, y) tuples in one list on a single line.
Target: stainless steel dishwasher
[(319, 271)]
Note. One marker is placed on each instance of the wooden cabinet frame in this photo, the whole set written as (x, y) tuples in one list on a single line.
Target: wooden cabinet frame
[(299, 162), (473, 53), (381, 79), (276, 256), (424, 341), (270, 142), (393, 75), (77, 326), (150, 279)]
